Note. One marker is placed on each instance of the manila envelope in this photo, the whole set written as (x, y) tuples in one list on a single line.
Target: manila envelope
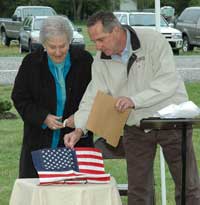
[(104, 120)]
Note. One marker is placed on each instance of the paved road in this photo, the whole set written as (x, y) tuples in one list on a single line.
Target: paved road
[(13, 63), (10, 63), (187, 61), (188, 66)]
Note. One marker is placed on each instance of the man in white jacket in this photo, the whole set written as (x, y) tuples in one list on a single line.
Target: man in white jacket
[(137, 67)]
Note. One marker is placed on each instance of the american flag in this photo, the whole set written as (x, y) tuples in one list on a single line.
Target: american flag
[(64, 165)]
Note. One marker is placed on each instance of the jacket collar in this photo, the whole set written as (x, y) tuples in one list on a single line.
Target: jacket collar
[(135, 42)]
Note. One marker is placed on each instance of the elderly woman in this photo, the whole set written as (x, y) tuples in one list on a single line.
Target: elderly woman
[(48, 88)]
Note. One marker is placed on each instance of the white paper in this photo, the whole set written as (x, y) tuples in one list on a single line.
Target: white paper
[(184, 110)]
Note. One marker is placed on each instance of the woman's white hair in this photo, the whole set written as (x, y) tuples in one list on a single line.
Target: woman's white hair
[(56, 26)]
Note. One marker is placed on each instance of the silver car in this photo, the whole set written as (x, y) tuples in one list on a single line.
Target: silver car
[(29, 34)]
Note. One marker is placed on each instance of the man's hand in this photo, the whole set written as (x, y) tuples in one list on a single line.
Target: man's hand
[(53, 122), (72, 138), (69, 122), (124, 103)]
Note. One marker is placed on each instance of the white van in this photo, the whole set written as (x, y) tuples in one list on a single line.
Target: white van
[(147, 20)]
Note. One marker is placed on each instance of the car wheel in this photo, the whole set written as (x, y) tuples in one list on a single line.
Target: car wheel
[(5, 41), (186, 44)]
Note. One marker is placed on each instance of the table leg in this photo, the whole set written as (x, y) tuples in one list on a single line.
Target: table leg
[(184, 149)]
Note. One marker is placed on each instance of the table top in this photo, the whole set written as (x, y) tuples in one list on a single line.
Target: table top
[(169, 123), (28, 192)]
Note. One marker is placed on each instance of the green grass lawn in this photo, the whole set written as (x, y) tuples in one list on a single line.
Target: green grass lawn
[(10, 143), (12, 50)]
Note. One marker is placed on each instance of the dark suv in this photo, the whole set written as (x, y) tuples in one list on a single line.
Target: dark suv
[(189, 24)]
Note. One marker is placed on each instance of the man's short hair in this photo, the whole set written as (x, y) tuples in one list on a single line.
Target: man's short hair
[(108, 20)]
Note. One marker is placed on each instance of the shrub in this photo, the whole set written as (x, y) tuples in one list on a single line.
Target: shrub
[(5, 105)]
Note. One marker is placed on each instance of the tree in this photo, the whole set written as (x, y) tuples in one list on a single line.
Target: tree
[(77, 8), (195, 3), (74, 9), (168, 3), (84, 8), (7, 7), (145, 4), (181, 5)]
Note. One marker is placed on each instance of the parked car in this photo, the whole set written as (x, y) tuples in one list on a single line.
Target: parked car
[(189, 23), (29, 34), (147, 20), (9, 28)]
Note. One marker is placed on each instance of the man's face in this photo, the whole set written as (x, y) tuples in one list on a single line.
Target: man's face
[(105, 42)]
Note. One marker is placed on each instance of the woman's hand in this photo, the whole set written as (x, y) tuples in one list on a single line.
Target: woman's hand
[(53, 122), (72, 138), (69, 122)]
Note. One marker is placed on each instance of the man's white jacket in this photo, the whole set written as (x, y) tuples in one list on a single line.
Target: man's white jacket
[(152, 82)]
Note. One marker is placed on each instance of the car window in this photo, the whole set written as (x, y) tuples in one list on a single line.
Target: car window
[(194, 15), (190, 15), (145, 20), (183, 15), (38, 12), (28, 23), (118, 16), (25, 21), (123, 19), (18, 13)]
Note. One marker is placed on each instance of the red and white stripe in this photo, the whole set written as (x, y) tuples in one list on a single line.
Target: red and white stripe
[(91, 170)]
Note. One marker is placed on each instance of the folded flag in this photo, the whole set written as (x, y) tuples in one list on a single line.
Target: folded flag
[(64, 165)]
